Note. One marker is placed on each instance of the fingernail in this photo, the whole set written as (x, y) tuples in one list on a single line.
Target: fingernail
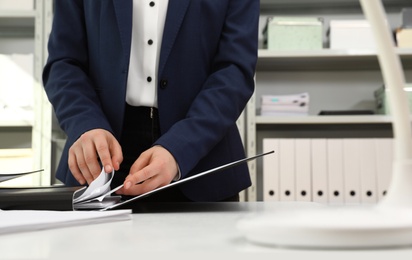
[(127, 185), (107, 168)]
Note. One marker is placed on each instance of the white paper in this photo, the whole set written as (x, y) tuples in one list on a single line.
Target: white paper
[(13, 221), (98, 187)]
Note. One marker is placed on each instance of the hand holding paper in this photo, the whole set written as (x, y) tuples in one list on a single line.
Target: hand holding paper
[(97, 195)]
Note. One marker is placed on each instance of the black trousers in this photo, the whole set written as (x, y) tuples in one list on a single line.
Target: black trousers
[(140, 130)]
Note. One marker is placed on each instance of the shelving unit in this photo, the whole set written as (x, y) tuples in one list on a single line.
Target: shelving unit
[(334, 79), (26, 31)]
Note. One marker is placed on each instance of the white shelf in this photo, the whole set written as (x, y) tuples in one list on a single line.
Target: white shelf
[(17, 14), (326, 59), (360, 119), (322, 4)]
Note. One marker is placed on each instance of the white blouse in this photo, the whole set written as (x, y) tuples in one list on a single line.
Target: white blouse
[(149, 18)]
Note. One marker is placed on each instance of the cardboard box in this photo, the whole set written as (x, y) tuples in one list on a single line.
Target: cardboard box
[(26, 5), (294, 33), (351, 34), (404, 37), (382, 102)]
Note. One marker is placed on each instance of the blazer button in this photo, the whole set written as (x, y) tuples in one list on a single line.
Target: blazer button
[(163, 83)]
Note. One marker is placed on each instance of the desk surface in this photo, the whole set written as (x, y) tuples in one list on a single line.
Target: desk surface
[(177, 231)]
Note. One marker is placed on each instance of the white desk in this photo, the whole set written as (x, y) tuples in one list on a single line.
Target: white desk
[(195, 231)]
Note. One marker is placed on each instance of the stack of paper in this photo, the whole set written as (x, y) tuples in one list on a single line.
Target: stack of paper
[(297, 104), (97, 195), (12, 221)]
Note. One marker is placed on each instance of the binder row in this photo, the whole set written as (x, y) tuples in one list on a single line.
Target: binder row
[(333, 171)]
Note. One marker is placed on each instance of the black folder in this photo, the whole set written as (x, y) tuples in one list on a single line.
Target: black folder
[(61, 197), (37, 198)]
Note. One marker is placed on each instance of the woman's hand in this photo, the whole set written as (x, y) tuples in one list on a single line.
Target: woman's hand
[(156, 167), (85, 153)]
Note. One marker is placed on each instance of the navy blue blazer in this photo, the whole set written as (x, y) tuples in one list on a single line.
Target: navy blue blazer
[(206, 77)]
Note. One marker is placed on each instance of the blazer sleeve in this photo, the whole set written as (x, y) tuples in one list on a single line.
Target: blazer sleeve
[(66, 74)]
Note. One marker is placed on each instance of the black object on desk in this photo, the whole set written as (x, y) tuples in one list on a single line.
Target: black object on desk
[(37, 198)]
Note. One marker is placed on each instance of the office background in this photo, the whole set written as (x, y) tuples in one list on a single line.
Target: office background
[(343, 79)]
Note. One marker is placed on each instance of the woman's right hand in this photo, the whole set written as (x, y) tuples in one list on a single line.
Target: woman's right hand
[(91, 147)]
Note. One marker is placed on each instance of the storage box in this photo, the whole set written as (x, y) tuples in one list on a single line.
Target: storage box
[(382, 102), (26, 5), (294, 33), (351, 34), (407, 17), (404, 37)]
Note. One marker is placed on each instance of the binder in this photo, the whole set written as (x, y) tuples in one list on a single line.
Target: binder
[(303, 169), (287, 169), (351, 170), (384, 161), (319, 170), (62, 197), (271, 187), (367, 156), (37, 198), (335, 170)]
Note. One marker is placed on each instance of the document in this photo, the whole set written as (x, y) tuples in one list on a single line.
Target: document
[(98, 195), (14, 221), (9, 176)]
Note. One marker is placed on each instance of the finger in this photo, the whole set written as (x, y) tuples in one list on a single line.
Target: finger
[(146, 186), (103, 152), (90, 161), (74, 168), (84, 169), (140, 176), (116, 154)]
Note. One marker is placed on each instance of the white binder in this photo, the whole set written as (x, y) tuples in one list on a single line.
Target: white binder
[(384, 159), (368, 170), (287, 169), (319, 170), (303, 169), (271, 187), (351, 170), (335, 170)]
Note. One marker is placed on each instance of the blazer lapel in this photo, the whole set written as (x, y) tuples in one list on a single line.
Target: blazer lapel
[(124, 13), (175, 14)]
